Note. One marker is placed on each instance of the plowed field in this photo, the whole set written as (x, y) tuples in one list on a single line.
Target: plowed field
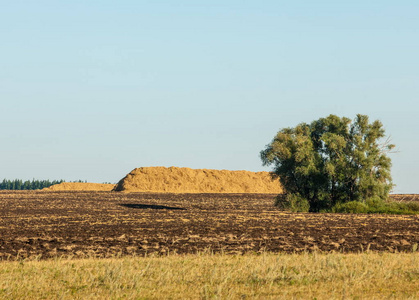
[(103, 224)]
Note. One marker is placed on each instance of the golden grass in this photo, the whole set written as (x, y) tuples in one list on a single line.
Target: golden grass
[(80, 186), (216, 276), (186, 180)]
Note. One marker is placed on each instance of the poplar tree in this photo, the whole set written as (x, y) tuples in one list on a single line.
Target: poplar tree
[(331, 160)]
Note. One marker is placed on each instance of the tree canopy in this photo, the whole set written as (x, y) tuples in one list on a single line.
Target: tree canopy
[(332, 160)]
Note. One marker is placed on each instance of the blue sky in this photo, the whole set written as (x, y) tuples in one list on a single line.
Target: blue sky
[(93, 89)]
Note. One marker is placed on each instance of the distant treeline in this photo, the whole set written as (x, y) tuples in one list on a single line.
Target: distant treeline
[(19, 184)]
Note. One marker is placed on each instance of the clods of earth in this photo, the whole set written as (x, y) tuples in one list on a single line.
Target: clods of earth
[(106, 224)]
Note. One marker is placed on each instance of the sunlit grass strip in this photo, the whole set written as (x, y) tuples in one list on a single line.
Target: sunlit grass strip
[(216, 276), (378, 207)]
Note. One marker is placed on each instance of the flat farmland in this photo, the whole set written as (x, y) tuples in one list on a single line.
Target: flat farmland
[(108, 224)]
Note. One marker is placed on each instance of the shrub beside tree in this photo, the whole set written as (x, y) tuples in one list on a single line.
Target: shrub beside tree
[(330, 162)]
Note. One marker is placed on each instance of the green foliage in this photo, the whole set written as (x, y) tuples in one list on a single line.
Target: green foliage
[(354, 207), (332, 160), (377, 206), (292, 202), (19, 184)]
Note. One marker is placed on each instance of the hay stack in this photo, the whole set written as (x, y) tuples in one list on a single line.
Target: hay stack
[(80, 186), (186, 180)]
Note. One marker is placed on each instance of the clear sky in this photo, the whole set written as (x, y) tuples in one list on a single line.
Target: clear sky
[(93, 89)]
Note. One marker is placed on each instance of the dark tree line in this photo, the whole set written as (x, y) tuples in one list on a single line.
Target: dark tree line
[(19, 184)]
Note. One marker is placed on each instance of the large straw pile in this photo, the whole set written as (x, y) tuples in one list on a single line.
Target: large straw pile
[(80, 186), (185, 180)]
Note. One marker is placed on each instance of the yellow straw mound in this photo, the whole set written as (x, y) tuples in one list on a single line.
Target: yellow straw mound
[(80, 186), (186, 180)]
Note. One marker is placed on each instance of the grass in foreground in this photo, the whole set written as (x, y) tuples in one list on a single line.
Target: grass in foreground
[(216, 276)]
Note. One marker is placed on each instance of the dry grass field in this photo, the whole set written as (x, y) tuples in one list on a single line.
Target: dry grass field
[(104, 224), (216, 276)]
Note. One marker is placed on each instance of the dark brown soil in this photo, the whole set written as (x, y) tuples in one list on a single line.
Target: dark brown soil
[(103, 224)]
